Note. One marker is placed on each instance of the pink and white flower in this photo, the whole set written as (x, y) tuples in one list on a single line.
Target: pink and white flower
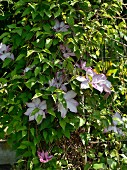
[(58, 82), (97, 81), (71, 103), (5, 52), (60, 26), (36, 108)]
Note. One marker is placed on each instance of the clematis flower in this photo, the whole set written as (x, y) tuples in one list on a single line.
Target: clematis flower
[(66, 51), (43, 156), (116, 121), (85, 82), (36, 109), (4, 52), (71, 103), (97, 81), (58, 82), (60, 26)]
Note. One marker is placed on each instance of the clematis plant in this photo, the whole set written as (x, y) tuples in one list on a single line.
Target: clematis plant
[(36, 110), (116, 120), (44, 157), (5, 52), (66, 51), (60, 26), (71, 103)]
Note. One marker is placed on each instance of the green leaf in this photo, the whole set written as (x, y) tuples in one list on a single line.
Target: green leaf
[(39, 119), (46, 51), (45, 134), (20, 57), (4, 35), (48, 43), (54, 96), (29, 52), (98, 166), (51, 112), (60, 36), (22, 147), (24, 133), (81, 121), (45, 67), (67, 133), (70, 20), (37, 71), (17, 30), (62, 123), (34, 111), (11, 26), (37, 95), (31, 82), (10, 109), (7, 61), (32, 131), (56, 14)]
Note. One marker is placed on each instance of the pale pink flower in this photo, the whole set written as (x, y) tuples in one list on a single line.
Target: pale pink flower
[(66, 51), (4, 52), (44, 157), (60, 26), (36, 108), (116, 120), (71, 103), (97, 81), (58, 82), (84, 82)]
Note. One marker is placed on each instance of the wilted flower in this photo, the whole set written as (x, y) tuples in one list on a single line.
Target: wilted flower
[(36, 109), (60, 26), (4, 52), (71, 103), (116, 120), (43, 156), (66, 51)]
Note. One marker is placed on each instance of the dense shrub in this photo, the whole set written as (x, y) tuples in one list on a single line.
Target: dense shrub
[(63, 83)]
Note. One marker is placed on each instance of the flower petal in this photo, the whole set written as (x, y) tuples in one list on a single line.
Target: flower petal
[(11, 56), (30, 104), (57, 24), (106, 89), (29, 111), (99, 78), (62, 110), (43, 105), (72, 106), (3, 56), (69, 95), (31, 117), (36, 101), (85, 84), (116, 118), (98, 87), (81, 78), (61, 24)]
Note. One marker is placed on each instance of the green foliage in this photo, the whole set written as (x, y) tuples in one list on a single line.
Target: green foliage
[(95, 33)]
